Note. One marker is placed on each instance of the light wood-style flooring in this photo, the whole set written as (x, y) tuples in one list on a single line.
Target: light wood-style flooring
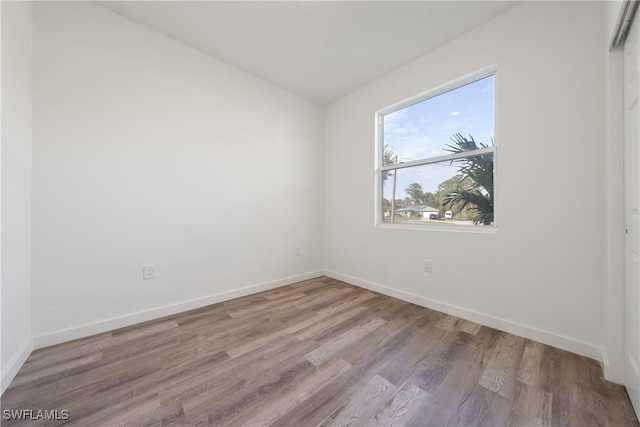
[(319, 352)]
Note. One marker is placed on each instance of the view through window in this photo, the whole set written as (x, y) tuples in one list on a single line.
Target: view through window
[(437, 157)]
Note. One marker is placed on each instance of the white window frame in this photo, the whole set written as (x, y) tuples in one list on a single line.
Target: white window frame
[(379, 168)]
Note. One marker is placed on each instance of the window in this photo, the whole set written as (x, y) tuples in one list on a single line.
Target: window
[(436, 156)]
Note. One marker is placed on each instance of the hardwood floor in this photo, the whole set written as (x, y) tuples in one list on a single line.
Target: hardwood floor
[(319, 352)]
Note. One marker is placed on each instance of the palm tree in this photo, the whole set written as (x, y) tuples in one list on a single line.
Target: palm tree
[(477, 171), (389, 157)]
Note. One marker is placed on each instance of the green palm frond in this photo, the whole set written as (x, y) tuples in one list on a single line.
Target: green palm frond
[(477, 173), (476, 201)]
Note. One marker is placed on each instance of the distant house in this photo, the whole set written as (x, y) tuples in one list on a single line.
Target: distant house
[(424, 211), (406, 211), (429, 212)]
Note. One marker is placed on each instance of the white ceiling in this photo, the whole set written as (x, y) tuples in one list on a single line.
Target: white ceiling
[(320, 50)]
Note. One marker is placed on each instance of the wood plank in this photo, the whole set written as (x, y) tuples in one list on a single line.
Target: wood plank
[(402, 406), (366, 402), (530, 364), (272, 304), (500, 374), (320, 355), (325, 321), (234, 374), (269, 412), (218, 409), (463, 369), (422, 340), (531, 406), (469, 327), (55, 368), (125, 413), (320, 301), (482, 407), (432, 370), (448, 323), (346, 304)]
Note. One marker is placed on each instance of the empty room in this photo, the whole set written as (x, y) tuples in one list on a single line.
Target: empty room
[(305, 213)]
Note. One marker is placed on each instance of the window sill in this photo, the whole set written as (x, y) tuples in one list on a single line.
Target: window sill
[(479, 229)]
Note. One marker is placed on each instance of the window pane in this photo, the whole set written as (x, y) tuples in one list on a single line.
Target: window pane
[(424, 129), (423, 193)]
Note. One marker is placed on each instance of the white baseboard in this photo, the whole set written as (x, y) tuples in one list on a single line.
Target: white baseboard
[(612, 373), (14, 365), (86, 330), (605, 363), (545, 337)]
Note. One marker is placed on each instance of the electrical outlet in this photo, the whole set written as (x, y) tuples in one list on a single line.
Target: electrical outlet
[(298, 253), (427, 266), (149, 271)]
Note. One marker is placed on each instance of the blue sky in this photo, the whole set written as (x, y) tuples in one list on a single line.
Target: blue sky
[(422, 130)]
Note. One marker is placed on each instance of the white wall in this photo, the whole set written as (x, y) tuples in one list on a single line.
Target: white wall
[(16, 186), (146, 151), (542, 274)]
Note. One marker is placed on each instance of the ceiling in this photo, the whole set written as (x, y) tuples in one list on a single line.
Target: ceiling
[(320, 50)]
